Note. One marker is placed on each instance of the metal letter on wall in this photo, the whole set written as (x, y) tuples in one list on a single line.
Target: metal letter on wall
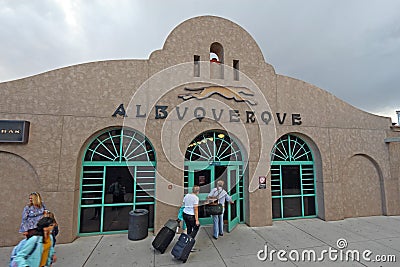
[(120, 111), (14, 131)]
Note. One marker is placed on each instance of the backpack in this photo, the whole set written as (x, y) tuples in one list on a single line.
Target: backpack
[(17, 248)]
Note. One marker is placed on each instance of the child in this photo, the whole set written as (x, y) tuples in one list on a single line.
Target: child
[(54, 233)]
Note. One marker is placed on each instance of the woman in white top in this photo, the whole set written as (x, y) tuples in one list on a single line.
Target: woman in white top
[(191, 211)]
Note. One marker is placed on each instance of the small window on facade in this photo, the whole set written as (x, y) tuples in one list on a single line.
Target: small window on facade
[(216, 61), (236, 70), (196, 67)]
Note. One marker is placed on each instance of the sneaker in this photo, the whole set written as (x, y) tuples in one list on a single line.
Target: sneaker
[(221, 234), (215, 237), (194, 250)]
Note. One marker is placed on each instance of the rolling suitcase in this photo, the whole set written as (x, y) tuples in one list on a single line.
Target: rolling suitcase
[(165, 235), (183, 247)]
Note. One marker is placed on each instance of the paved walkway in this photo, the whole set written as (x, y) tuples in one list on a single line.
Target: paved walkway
[(380, 235)]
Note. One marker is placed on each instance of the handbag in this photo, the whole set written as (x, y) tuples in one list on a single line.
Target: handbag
[(213, 207)]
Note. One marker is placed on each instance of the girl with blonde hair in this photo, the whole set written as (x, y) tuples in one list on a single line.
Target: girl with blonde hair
[(32, 213)]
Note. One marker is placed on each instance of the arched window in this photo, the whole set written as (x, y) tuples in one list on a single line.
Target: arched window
[(216, 61), (217, 52), (120, 145), (291, 148), (293, 185), (213, 146), (118, 175)]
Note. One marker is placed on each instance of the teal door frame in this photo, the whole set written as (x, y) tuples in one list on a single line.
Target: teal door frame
[(116, 147), (202, 195), (291, 150), (237, 196), (208, 151), (234, 192)]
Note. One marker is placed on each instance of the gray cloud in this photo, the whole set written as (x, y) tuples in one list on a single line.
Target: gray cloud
[(349, 48)]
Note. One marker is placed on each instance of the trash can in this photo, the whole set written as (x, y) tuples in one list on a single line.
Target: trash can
[(138, 224)]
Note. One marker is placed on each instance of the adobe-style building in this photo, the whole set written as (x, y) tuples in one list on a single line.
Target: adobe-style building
[(204, 107)]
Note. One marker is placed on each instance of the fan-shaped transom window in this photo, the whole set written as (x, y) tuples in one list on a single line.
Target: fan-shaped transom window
[(120, 145), (213, 146), (291, 148)]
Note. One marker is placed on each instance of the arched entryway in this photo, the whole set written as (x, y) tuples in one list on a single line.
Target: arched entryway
[(293, 185), (118, 175), (213, 156), (362, 187)]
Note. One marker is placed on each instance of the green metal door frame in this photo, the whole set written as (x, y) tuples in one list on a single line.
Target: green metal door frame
[(204, 153), (118, 147), (202, 196), (232, 222), (291, 150)]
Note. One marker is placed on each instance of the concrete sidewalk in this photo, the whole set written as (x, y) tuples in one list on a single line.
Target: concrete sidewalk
[(380, 235)]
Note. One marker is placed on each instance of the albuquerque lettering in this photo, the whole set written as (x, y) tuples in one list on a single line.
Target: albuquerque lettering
[(162, 112)]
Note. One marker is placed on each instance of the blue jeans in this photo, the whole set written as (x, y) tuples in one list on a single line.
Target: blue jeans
[(218, 224)]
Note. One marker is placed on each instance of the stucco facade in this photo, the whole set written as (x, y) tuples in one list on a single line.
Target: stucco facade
[(356, 171)]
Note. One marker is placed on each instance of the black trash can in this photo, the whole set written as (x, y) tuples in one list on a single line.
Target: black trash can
[(138, 224)]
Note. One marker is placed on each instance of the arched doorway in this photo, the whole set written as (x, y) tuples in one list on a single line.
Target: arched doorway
[(118, 175), (362, 187), (293, 186), (214, 156), (18, 178)]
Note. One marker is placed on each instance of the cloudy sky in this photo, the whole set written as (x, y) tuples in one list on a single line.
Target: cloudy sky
[(350, 48)]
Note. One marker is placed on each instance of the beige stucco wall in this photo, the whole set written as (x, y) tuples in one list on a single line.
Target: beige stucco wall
[(68, 106), (361, 185), (25, 180), (392, 187)]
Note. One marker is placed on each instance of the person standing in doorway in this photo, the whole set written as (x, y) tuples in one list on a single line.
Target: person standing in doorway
[(32, 213), (218, 220), (191, 211), (118, 191)]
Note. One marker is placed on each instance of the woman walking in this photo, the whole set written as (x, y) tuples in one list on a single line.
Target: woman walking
[(191, 211)]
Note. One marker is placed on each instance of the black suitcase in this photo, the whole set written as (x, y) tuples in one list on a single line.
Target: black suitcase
[(172, 224), (165, 236), (183, 247)]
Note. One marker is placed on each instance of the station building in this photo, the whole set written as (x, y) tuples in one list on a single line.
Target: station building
[(205, 107)]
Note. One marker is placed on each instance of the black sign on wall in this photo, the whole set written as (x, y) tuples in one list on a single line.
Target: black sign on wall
[(14, 131)]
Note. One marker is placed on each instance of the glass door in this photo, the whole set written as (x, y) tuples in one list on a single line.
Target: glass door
[(204, 177), (233, 191)]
